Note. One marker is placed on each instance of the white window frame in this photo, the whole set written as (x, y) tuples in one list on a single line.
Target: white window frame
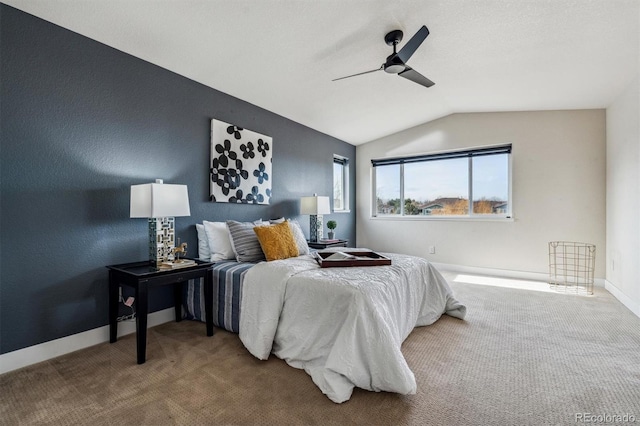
[(470, 153), (344, 163)]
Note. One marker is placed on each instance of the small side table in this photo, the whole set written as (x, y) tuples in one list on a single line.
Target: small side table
[(324, 244), (142, 276)]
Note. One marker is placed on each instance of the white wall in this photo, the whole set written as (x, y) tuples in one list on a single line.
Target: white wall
[(623, 196), (558, 189)]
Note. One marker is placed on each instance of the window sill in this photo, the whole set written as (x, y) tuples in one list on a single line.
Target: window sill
[(342, 211), (446, 218)]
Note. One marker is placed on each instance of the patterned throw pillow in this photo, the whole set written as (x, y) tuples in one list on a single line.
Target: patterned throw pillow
[(298, 236), (244, 241), (276, 241)]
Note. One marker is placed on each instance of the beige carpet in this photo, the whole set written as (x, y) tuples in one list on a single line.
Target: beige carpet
[(520, 357)]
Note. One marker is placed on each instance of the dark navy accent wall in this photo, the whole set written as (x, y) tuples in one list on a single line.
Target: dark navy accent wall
[(79, 123)]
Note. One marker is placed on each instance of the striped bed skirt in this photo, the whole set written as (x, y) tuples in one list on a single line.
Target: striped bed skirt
[(227, 294)]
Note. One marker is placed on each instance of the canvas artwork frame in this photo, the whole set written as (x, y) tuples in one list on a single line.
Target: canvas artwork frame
[(240, 165)]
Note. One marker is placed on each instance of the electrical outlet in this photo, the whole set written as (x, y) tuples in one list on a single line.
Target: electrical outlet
[(432, 249)]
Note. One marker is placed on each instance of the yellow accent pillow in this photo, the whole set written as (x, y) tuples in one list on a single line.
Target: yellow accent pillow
[(277, 241)]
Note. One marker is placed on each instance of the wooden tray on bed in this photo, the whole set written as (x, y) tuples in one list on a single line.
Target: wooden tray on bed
[(351, 258)]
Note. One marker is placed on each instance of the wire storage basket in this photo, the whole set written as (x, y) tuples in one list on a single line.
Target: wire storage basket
[(571, 266)]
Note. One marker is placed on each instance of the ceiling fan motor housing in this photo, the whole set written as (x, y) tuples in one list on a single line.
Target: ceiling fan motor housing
[(394, 65)]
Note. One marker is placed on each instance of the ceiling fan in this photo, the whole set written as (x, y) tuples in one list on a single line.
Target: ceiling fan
[(396, 62)]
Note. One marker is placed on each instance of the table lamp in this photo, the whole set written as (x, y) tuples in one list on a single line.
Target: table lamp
[(160, 203), (315, 206)]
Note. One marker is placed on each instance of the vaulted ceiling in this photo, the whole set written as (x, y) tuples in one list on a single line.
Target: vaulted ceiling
[(483, 55)]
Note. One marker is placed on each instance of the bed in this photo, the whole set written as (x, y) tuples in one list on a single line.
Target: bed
[(343, 326)]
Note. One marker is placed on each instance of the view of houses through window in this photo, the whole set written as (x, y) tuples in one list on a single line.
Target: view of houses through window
[(443, 185)]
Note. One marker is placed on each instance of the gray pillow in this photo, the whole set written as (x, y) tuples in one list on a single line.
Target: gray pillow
[(245, 242)]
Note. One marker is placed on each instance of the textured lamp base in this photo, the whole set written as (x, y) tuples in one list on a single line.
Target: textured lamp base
[(316, 227), (162, 240)]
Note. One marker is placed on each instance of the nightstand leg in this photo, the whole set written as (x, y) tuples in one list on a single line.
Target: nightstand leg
[(113, 308), (141, 321), (177, 300)]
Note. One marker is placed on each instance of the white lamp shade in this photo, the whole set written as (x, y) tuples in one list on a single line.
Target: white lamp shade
[(314, 205), (159, 200)]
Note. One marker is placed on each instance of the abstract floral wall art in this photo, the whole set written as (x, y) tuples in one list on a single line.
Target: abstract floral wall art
[(240, 166)]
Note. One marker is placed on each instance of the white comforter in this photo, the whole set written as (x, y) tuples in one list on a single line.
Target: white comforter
[(343, 326)]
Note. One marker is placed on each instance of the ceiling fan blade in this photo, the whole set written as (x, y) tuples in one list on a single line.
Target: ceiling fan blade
[(416, 77), (360, 73), (412, 45)]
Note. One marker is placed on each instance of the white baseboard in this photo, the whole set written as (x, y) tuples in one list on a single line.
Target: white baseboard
[(623, 298), (503, 273), (54, 348)]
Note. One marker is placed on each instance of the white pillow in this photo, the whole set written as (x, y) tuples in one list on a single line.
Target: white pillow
[(219, 242), (203, 244)]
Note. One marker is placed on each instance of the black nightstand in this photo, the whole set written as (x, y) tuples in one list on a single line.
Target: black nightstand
[(142, 276), (323, 245)]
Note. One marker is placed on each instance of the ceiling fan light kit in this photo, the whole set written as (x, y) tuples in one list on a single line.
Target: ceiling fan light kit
[(396, 62)]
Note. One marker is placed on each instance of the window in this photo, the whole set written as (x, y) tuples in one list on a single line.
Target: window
[(340, 183), (471, 183)]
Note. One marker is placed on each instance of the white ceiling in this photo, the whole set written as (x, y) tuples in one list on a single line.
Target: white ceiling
[(483, 55)]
